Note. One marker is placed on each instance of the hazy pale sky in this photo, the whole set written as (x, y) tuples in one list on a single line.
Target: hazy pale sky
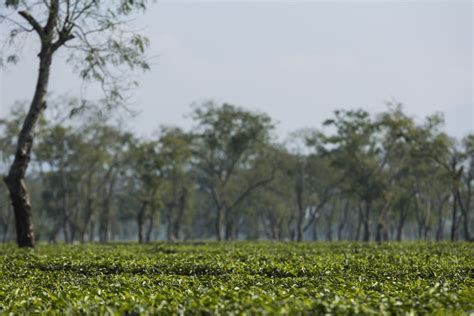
[(297, 61)]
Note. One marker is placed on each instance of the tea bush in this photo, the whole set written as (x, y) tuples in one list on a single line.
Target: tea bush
[(238, 278)]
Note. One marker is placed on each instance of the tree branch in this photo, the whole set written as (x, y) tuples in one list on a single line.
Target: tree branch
[(63, 38), (250, 189), (32, 21)]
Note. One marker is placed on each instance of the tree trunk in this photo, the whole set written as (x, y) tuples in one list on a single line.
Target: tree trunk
[(88, 209), (87, 219), (299, 191), (65, 227), (169, 219), (230, 228), (381, 233), (401, 224), (15, 180), (315, 231), (329, 225), (275, 232), (386, 234), (73, 231), (359, 224), (291, 228), (366, 223), (179, 216), (427, 226), (104, 223), (440, 229), (454, 218), (53, 236), (366, 231), (465, 216), (150, 228), (170, 236), (221, 223), (141, 222), (299, 218), (91, 231), (342, 223)]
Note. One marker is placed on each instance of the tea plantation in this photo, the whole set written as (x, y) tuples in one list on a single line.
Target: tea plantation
[(239, 278)]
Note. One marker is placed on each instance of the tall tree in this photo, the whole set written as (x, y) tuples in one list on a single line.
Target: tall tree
[(175, 148), (229, 143), (316, 182), (146, 179), (273, 205), (355, 151), (94, 33)]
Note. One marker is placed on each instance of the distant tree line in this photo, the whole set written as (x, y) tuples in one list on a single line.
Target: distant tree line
[(358, 177)]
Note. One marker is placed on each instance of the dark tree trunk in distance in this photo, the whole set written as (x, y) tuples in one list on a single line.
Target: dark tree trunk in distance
[(366, 223), (221, 223), (141, 223)]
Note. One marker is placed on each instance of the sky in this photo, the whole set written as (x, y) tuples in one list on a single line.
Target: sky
[(298, 61)]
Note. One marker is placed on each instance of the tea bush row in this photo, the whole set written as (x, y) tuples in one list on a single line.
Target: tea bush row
[(238, 278)]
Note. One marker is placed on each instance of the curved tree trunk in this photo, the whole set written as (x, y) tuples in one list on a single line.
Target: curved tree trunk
[(401, 224), (15, 180)]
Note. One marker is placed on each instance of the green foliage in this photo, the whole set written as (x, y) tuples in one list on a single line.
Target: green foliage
[(252, 278), (95, 33), (231, 149)]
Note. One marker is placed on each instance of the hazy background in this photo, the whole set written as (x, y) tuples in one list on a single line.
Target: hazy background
[(298, 61)]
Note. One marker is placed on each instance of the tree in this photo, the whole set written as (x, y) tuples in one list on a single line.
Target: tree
[(146, 178), (94, 33), (175, 148), (441, 149), (355, 152), (396, 131), (315, 182), (273, 205), (229, 143)]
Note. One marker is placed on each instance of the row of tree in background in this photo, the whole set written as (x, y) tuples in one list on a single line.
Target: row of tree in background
[(366, 177)]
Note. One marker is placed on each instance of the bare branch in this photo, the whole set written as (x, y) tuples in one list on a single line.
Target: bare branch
[(36, 26), (63, 38)]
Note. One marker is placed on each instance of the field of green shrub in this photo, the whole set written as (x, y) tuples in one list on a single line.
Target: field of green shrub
[(239, 278)]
